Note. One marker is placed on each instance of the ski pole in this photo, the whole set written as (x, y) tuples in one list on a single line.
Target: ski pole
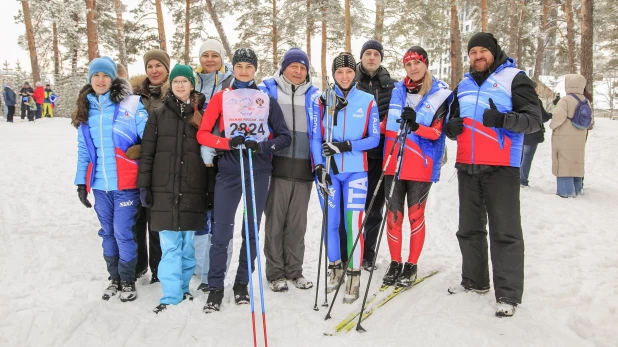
[(257, 247), (247, 243), (383, 224), (402, 129)]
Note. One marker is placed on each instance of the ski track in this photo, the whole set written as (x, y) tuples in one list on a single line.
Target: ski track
[(50, 260)]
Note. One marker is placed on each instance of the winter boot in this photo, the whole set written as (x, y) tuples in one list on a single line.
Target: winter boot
[(203, 287), (213, 303), (128, 292), (160, 308), (352, 286), (186, 296), (335, 274), (112, 289), (302, 283), (368, 265), (505, 309), (278, 285), (154, 278), (241, 295), (408, 276), (392, 273), (464, 289)]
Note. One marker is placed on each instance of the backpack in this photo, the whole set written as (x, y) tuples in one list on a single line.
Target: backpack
[(582, 117)]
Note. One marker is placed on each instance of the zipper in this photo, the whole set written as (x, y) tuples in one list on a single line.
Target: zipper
[(476, 105), (102, 147), (293, 131), (345, 113)]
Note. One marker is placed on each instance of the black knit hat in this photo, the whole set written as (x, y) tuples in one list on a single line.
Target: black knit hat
[(344, 59), (486, 40), (373, 44), (245, 55)]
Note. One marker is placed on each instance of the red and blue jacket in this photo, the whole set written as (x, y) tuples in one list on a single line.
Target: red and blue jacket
[(483, 145), (111, 129), (422, 155)]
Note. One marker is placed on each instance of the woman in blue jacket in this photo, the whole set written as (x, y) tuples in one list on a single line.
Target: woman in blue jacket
[(357, 130), (109, 121)]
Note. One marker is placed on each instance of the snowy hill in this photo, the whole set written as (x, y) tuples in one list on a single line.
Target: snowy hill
[(53, 273)]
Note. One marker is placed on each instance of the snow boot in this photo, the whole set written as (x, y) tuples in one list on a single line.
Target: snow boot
[(505, 309), (335, 274), (241, 295), (128, 292), (213, 303), (278, 285), (302, 283), (352, 286), (186, 296), (464, 289), (160, 308), (392, 273), (111, 290), (203, 287), (408, 276), (154, 278), (368, 264)]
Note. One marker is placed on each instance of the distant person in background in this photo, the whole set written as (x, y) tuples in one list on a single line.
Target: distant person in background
[(6, 110), (122, 71), (48, 107), (31, 109), (39, 97), (24, 93)]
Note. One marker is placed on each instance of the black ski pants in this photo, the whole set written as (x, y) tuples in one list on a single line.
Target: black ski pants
[(148, 244), (492, 194)]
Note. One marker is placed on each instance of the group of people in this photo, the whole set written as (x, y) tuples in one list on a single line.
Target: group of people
[(34, 103), (151, 155)]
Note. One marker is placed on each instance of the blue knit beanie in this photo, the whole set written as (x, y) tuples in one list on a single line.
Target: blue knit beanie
[(294, 55), (103, 64)]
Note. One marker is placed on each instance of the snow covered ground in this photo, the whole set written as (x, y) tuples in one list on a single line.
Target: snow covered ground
[(53, 273)]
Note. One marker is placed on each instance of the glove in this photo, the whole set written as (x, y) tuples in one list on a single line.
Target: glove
[(332, 148), (492, 117), (323, 178), (133, 152), (253, 145), (454, 127), (145, 196), (82, 193), (409, 115), (236, 141)]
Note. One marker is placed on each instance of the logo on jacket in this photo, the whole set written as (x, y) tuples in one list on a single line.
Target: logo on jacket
[(126, 203), (259, 101), (359, 113)]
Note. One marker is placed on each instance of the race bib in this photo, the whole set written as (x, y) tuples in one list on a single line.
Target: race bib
[(246, 110)]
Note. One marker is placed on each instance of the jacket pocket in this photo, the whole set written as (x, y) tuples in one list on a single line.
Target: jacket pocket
[(161, 169)]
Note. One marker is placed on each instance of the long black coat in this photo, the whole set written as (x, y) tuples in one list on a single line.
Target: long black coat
[(171, 166)]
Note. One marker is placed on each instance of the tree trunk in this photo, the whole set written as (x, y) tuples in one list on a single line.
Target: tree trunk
[(275, 43), (309, 29), (348, 28), (186, 53), (75, 51), (379, 25), (541, 41), (215, 19), (520, 35), (122, 47), (484, 16), (161, 26), (513, 30), (456, 63), (549, 58), (568, 11), (324, 75), (91, 28), (34, 61), (586, 54), (56, 49)]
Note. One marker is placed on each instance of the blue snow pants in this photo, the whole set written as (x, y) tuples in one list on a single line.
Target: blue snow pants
[(353, 186), (229, 192), (117, 211), (177, 264)]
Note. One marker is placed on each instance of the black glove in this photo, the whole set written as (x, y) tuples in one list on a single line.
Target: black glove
[(236, 141), (332, 148), (454, 127), (556, 99), (409, 115), (492, 117), (323, 177), (145, 196), (82, 193), (253, 145)]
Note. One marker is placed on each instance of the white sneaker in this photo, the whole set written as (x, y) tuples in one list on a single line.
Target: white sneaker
[(302, 283), (505, 309), (278, 285)]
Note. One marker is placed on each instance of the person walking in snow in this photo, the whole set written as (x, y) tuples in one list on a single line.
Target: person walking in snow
[(241, 107), (172, 181), (357, 130), (10, 100), (48, 96), (211, 76), (422, 102), (292, 176), (109, 121), (494, 105), (39, 99), (24, 93), (568, 143), (151, 89)]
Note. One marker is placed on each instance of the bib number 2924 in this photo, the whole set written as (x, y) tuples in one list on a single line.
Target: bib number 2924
[(252, 128)]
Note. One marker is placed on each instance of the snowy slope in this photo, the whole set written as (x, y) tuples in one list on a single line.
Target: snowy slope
[(53, 273)]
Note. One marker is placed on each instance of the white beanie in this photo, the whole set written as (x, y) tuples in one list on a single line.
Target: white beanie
[(38, 84), (215, 46)]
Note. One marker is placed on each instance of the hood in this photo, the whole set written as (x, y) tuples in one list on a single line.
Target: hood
[(141, 86), (574, 83), (286, 86)]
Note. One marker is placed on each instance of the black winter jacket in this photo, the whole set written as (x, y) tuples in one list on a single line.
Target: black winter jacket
[(380, 85), (171, 166), (539, 136)]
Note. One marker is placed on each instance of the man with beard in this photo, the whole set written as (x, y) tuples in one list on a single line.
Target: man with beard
[(495, 105)]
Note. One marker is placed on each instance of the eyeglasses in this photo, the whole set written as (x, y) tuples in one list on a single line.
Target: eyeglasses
[(180, 83)]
